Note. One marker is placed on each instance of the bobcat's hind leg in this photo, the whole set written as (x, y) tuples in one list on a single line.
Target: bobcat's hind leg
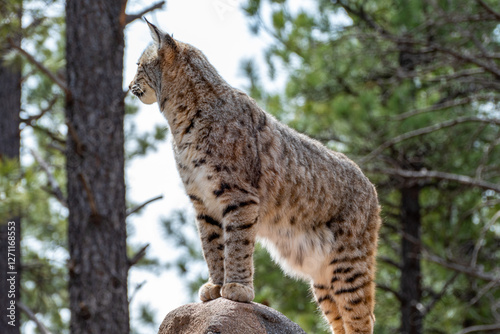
[(345, 291), (353, 291), (347, 301), (212, 242), (349, 274), (324, 297), (355, 303)]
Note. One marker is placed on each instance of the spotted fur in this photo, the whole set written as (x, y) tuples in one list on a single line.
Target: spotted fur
[(249, 177)]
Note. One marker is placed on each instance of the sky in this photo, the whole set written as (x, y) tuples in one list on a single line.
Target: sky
[(220, 30)]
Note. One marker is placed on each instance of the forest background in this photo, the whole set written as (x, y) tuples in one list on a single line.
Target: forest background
[(408, 89)]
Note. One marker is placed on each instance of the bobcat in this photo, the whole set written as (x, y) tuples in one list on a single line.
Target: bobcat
[(248, 177)]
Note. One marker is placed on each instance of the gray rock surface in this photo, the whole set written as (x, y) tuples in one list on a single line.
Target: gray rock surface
[(223, 316)]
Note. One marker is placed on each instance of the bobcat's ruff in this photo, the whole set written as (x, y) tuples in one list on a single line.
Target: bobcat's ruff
[(250, 177)]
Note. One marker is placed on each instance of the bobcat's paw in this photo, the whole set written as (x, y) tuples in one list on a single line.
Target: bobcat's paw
[(209, 291), (238, 292)]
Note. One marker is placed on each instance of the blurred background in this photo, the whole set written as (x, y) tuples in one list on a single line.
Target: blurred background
[(408, 89)]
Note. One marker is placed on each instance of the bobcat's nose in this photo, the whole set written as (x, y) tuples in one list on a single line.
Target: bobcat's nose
[(136, 90)]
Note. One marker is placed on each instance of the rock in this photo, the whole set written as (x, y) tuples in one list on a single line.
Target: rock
[(223, 316)]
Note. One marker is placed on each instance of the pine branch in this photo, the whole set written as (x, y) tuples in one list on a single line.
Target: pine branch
[(482, 236), (387, 288), (458, 75), (424, 131), (489, 9), (435, 107), (480, 328), (139, 207), (136, 289), (58, 81), (79, 145), (488, 66), (138, 256), (468, 270), (90, 196), (33, 317), (484, 290), (54, 185), (42, 112), (429, 46), (49, 133), (478, 272), (362, 15), (389, 261), (57, 147), (429, 174), (437, 297), (132, 17)]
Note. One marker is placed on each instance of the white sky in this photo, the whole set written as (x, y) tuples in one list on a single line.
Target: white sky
[(219, 29)]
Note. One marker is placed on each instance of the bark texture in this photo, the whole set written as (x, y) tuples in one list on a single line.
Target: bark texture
[(410, 284), (223, 316), (10, 106), (411, 290), (95, 167)]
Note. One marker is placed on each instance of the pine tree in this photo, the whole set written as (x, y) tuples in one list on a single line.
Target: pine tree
[(95, 111)]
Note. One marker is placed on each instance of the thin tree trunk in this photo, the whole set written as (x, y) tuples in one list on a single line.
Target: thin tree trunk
[(95, 167), (411, 291), (10, 226), (410, 284)]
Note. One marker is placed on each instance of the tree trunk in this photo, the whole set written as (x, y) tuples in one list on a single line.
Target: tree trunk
[(10, 226), (411, 291), (95, 110)]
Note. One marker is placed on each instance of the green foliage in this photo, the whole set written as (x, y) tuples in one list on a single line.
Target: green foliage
[(44, 281), (43, 218), (11, 194), (147, 320), (252, 7), (180, 229), (11, 20), (140, 144)]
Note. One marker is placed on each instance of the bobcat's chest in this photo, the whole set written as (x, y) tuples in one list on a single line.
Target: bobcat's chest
[(198, 177)]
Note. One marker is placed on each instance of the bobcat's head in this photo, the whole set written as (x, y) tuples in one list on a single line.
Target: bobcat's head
[(147, 80)]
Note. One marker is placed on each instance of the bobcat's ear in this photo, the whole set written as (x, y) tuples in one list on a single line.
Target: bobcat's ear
[(160, 38)]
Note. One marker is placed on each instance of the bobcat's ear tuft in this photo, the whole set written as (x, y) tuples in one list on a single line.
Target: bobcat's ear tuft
[(160, 38)]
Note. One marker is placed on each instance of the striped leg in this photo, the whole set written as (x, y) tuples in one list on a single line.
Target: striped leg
[(239, 221), (213, 250), (354, 293), (324, 298), (356, 307), (350, 276)]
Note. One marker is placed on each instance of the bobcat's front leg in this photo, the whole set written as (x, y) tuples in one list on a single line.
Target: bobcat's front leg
[(212, 241), (239, 222)]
